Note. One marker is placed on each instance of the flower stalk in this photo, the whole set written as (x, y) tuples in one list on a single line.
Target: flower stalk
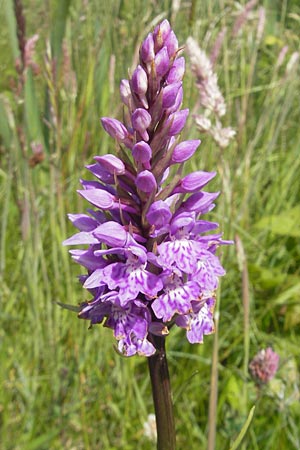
[(162, 398)]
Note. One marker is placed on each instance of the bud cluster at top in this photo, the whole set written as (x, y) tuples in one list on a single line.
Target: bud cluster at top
[(150, 262)]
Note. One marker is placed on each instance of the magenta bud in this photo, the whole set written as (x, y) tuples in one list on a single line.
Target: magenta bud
[(162, 62), (170, 93), (159, 214), (160, 34), (194, 181), (146, 182), (178, 101), (142, 152), (141, 120), (147, 49), (139, 81), (183, 151), (172, 44), (125, 92), (177, 121), (200, 201), (111, 163), (177, 71), (114, 128)]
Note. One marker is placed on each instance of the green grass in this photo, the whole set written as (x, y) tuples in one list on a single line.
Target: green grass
[(63, 386)]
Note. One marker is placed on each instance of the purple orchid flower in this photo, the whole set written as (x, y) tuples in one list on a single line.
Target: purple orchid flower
[(151, 262)]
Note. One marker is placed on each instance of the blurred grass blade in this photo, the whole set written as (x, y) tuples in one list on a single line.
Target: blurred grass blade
[(33, 119), (11, 26), (5, 131), (60, 15), (243, 430)]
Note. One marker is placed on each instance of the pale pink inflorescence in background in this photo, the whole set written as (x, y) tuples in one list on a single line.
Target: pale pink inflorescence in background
[(211, 99), (264, 365)]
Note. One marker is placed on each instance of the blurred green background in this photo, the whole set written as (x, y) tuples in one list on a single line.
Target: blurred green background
[(63, 386)]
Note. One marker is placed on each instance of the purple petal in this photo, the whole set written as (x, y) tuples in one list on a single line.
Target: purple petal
[(112, 234), (161, 33), (180, 253), (175, 301), (130, 347), (125, 92), (194, 181), (162, 62), (177, 121), (83, 222), (159, 214), (200, 201), (83, 237), (111, 163), (185, 150), (171, 43), (177, 71), (98, 197), (178, 101), (202, 226), (88, 259), (139, 81), (101, 173), (170, 93), (201, 324), (94, 280), (147, 49)]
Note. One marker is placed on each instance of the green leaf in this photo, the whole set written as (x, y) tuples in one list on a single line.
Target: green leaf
[(284, 224), (290, 295), (69, 307), (243, 430), (41, 441)]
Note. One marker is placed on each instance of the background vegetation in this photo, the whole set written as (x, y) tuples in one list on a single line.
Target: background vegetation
[(62, 386)]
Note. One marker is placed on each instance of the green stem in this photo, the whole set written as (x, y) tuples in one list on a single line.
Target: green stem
[(161, 391)]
